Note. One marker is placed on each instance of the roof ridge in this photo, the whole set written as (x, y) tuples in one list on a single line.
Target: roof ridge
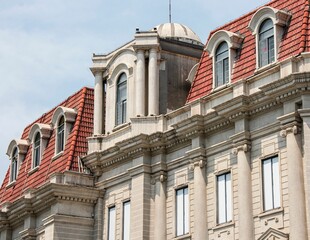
[(304, 28), (76, 131)]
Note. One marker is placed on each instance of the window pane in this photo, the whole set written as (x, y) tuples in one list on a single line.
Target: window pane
[(111, 226), (266, 43), (270, 49), (228, 198), (121, 99), (226, 70), (276, 182), (180, 214), (221, 199), (126, 220), (186, 211), (267, 185), (219, 74)]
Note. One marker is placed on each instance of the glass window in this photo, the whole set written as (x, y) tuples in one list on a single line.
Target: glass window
[(111, 223), (271, 183), (221, 65), (37, 150), (61, 134), (224, 198), (266, 43), (14, 165), (126, 220), (121, 101), (182, 211)]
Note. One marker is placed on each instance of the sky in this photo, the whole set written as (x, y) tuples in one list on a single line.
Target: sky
[(46, 47)]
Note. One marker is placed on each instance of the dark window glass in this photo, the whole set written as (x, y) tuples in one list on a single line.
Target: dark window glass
[(266, 43), (14, 165), (61, 134), (121, 101), (221, 65)]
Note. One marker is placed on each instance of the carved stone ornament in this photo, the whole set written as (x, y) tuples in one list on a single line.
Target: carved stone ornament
[(159, 178), (244, 147), (198, 163), (294, 129)]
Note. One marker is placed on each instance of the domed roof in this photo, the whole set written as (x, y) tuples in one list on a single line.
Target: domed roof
[(178, 32)]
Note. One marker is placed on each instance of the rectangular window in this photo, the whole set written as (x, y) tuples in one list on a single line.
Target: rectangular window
[(271, 183), (126, 220), (111, 223), (224, 198), (182, 211)]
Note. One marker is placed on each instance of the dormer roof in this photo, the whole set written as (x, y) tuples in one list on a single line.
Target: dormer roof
[(294, 42), (76, 146)]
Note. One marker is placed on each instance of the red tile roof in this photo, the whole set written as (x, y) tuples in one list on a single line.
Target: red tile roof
[(294, 42), (76, 145)]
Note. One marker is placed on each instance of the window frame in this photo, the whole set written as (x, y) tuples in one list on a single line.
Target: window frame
[(126, 224), (224, 62), (185, 219), (109, 237), (36, 150), (60, 134), (14, 159), (121, 104), (228, 202), (271, 58), (263, 188)]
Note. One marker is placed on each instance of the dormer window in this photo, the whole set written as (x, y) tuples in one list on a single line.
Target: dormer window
[(60, 135), (221, 65), (37, 150), (268, 25), (14, 165), (266, 44), (223, 47), (121, 99)]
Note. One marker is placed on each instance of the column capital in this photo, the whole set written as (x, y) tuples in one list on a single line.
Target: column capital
[(197, 162), (97, 70), (294, 128), (244, 146)]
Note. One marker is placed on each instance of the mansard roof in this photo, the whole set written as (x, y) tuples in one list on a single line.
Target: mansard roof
[(295, 41), (76, 146)]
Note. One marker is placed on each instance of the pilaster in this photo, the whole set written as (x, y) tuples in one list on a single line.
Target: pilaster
[(98, 102), (242, 147), (153, 84), (140, 83), (291, 129)]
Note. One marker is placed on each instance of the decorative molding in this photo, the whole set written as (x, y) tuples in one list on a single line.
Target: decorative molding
[(246, 147)]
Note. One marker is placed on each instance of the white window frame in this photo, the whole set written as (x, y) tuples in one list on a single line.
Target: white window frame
[(280, 20), (60, 147), (111, 223), (14, 158), (126, 220), (224, 197), (271, 183), (182, 211), (234, 42)]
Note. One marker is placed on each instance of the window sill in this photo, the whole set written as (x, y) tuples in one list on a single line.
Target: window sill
[(219, 88), (33, 170), (183, 237), (271, 212), (118, 127), (224, 225), (11, 184), (266, 67), (58, 155)]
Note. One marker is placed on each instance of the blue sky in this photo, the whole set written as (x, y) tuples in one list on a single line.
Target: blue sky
[(46, 47)]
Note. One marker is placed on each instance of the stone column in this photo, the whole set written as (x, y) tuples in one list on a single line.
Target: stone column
[(98, 103), (296, 192), (160, 232), (200, 201), (153, 92), (305, 115), (98, 214), (245, 209), (140, 83)]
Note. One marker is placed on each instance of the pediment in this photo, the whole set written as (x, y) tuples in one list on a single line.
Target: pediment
[(273, 234)]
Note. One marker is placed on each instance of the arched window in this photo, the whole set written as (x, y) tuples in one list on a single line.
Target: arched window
[(221, 65), (14, 164), (61, 134), (266, 43), (37, 150), (121, 99)]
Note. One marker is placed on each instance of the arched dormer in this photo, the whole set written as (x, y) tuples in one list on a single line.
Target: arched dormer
[(16, 151), (222, 47), (39, 136), (259, 26), (62, 121)]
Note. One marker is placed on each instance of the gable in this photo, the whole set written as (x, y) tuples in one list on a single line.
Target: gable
[(273, 234)]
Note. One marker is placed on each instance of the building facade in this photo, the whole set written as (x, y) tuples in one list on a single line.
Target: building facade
[(186, 142)]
